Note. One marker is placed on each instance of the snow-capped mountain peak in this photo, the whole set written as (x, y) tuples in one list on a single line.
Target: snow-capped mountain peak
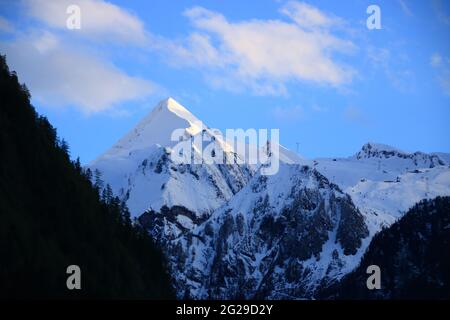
[(377, 150), (384, 181), (373, 150), (156, 128), (141, 171), (172, 106), (230, 231)]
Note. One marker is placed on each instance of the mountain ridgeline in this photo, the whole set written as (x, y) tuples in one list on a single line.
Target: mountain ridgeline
[(266, 243), (223, 230), (52, 216), (229, 231), (412, 255)]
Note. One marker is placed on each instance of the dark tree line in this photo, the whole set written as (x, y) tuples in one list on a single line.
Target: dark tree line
[(413, 255), (53, 216)]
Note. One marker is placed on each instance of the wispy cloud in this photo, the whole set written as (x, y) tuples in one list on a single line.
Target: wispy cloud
[(5, 25), (261, 57), (288, 114), (442, 66), (356, 115), (442, 11), (317, 108), (264, 55), (392, 65), (60, 75), (405, 7), (100, 20), (436, 60), (61, 66), (309, 17)]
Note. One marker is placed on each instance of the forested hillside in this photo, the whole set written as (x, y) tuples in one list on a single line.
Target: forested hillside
[(52, 216), (413, 256)]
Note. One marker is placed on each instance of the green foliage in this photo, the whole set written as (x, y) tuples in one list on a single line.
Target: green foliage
[(51, 216)]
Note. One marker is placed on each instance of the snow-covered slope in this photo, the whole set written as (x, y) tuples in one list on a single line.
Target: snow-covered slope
[(156, 129), (443, 156), (385, 182), (286, 235), (383, 202), (231, 232), (281, 236), (374, 162), (140, 170)]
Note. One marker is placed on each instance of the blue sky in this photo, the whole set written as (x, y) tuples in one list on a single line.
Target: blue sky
[(312, 69)]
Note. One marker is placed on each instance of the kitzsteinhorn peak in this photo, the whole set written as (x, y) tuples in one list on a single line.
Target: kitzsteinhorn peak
[(156, 128)]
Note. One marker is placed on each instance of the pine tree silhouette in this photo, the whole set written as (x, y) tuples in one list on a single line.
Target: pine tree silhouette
[(51, 216)]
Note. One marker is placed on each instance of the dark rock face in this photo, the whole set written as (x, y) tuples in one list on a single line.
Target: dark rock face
[(277, 238), (153, 220), (418, 158), (412, 255), (162, 163), (351, 227)]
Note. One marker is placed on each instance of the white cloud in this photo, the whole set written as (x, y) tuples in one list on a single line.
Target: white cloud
[(5, 25), (441, 11), (318, 108), (394, 66), (100, 20), (442, 68), (62, 69), (444, 81), (356, 115), (263, 55), (258, 56), (307, 16), (405, 8), (378, 56), (288, 114), (436, 60), (58, 75)]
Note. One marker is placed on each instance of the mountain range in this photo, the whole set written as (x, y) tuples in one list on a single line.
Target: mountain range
[(229, 231)]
